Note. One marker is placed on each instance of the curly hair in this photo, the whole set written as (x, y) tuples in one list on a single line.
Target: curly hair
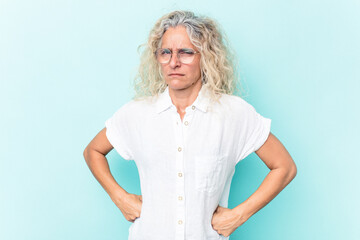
[(218, 70)]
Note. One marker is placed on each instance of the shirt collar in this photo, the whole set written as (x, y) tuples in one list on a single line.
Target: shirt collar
[(201, 102)]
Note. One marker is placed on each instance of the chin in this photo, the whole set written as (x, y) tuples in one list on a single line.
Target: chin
[(176, 84), (179, 85)]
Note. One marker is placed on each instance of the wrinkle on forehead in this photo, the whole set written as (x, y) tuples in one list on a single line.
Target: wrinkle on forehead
[(175, 38)]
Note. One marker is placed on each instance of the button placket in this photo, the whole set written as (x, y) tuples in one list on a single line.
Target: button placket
[(181, 129), (180, 179)]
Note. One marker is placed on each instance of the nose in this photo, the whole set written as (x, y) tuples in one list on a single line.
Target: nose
[(174, 60)]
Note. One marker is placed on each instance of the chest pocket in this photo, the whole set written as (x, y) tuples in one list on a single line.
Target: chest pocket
[(209, 173)]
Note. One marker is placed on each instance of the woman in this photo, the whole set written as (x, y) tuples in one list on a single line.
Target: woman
[(186, 132)]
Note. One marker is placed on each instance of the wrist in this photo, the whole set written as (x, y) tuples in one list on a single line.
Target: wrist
[(242, 212), (117, 194)]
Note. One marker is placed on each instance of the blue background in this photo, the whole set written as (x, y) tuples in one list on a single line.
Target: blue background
[(67, 66)]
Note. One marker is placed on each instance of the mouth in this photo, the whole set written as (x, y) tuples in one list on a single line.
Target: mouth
[(176, 74)]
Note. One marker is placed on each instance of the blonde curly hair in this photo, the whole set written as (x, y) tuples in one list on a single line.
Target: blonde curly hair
[(218, 70)]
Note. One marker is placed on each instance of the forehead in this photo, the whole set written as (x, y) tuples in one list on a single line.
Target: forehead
[(176, 38)]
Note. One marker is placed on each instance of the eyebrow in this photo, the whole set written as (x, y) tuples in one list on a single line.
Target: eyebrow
[(178, 48)]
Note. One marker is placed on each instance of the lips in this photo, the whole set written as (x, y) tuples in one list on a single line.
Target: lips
[(176, 74)]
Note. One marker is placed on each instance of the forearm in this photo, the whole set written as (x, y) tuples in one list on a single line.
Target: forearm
[(274, 182), (99, 167)]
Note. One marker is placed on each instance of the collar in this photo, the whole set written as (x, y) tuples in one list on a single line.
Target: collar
[(201, 102)]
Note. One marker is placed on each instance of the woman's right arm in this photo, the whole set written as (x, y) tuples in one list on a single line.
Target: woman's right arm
[(95, 157)]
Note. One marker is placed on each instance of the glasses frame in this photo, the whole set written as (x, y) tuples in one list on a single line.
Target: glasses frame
[(177, 54)]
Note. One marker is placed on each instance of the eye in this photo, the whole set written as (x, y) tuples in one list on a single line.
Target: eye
[(186, 51), (164, 51)]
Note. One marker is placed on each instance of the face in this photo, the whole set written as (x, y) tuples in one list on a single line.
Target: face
[(189, 74)]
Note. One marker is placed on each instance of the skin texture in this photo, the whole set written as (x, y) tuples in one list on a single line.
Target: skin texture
[(183, 91)]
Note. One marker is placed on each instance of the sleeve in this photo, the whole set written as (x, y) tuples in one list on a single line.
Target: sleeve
[(254, 131), (118, 131)]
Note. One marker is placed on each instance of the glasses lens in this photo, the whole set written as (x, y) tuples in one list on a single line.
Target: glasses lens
[(163, 55), (186, 55)]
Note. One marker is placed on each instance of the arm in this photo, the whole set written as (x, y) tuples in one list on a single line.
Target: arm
[(94, 155), (282, 172)]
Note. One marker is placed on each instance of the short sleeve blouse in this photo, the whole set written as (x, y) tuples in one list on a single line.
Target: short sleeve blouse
[(185, 166)]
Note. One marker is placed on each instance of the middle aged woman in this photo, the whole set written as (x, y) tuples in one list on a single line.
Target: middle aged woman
[(186, 132)]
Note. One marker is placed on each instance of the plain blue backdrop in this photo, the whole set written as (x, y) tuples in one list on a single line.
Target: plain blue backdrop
[(67, 66)]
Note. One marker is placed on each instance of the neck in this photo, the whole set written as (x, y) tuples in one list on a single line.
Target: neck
[(182, 98)]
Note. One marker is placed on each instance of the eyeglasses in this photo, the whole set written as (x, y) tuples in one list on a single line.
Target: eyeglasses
[(185, 55)]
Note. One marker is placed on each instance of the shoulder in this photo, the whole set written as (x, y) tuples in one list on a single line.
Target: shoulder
[(136, 106), (239, 113), (234, 104)]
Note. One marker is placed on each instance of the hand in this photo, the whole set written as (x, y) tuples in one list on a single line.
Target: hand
[(225, 221), (130, 205)]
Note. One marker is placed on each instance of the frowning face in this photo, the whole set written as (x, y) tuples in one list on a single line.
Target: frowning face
[(177, 74)]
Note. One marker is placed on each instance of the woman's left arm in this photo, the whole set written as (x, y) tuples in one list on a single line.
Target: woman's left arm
[(282, 172)]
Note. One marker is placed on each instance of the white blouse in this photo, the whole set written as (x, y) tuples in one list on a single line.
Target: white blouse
[(185, 167)]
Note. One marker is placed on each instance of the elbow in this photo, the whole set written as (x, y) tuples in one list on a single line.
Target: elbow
[(86, 154), (292, 171)]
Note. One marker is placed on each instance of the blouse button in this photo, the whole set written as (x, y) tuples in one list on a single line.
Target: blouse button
[(180, 174), (180, 222), (179, 149), (193, 107), (186, 123), (180, 198)]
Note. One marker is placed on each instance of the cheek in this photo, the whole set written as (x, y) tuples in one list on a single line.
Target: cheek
[(196, 67), (163, 70), (196, 70)]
